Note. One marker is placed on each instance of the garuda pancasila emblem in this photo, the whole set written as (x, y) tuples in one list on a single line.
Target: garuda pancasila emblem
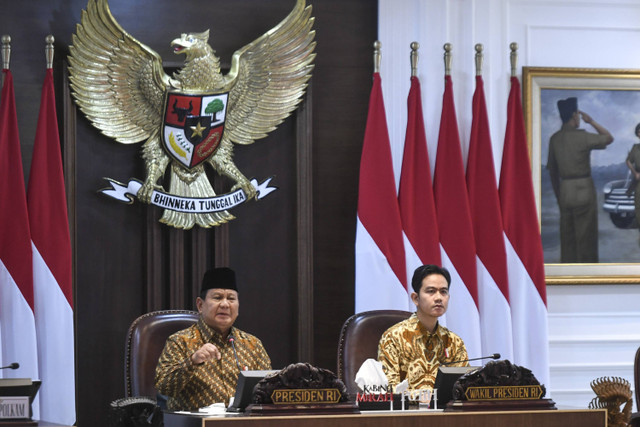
[(611, 394), (194, 117)]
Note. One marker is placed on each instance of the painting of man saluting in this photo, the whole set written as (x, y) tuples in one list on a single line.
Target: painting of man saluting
[(569, 166)]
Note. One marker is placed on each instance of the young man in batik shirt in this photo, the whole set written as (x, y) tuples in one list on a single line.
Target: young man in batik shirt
[(415, 348)]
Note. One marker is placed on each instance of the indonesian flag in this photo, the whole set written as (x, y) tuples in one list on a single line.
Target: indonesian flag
[(52, 266), (415, 196), (493, 285), (17, 323), (456, 232), (381, 276), (527, 287)]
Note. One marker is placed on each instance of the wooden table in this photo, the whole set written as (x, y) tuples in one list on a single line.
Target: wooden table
[(554, 418)]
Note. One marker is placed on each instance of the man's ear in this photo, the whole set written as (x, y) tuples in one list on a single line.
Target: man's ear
[(414, 298), (199, 303)]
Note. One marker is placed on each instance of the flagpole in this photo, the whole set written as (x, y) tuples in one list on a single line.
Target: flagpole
[(414, 58), (381, 279), (377, 45), (479, 58), (527, 290), (48, 50), (52, 266), (17, 320), (514, 58), (454, 222), (447, 59), (6, 53)]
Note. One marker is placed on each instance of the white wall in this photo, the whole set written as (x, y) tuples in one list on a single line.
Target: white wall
[(594, 330)]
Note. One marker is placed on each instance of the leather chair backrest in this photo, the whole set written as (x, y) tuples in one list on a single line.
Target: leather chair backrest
[(636, 378), (145, 341), (359, 341)]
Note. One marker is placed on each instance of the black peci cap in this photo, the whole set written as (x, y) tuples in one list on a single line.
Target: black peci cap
[(567, 107), (219, 278)]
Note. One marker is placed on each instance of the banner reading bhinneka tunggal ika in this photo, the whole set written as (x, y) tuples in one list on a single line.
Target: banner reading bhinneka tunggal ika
[(126, 194)]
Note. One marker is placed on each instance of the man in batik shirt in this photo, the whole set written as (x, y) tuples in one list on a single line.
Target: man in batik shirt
[(199, 365), (414, 348)]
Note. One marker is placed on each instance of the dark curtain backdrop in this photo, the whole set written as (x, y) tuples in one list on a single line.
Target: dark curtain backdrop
[(293, 251)]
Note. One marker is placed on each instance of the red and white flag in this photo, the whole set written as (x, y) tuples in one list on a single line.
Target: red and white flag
[(527, 287), (17, 322), (493, 285), (456, 231), (49, 225), (415, 196), (381, 275)]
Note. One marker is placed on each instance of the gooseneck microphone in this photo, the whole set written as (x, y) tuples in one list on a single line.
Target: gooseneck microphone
[(232, 340), (493, 356), (14, 365)]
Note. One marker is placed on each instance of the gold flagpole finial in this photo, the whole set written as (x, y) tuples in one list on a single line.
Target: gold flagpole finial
[(479, 58), (414, 58), (514, 58), (447, 59), (48, 50), (6, 51), (376, 56)]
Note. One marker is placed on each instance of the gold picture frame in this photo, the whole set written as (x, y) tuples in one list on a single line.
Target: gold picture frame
[(612, 98)]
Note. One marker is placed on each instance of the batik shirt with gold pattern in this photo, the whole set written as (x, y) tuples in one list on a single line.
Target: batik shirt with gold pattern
[(408, 350), (192, 386)]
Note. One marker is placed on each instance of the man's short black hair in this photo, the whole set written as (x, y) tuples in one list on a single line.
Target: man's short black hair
[(427, 270)]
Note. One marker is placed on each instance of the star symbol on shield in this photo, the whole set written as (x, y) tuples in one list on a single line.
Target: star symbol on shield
[(197, 130)]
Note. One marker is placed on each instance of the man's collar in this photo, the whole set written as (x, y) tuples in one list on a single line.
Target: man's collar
[(421, 328), (425, 331), (211, 335)]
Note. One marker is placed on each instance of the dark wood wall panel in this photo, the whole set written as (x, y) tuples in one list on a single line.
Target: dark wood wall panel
[(342, 83), (109, 270), (154, 266), (262, 245), (293, 250), (304, 143)]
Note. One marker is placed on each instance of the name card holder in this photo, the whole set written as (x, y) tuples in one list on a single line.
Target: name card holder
[(15, 408), (16, 397)]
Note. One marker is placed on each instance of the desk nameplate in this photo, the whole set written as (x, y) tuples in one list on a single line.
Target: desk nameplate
[(14, 408), (516, 392), (305, 396)]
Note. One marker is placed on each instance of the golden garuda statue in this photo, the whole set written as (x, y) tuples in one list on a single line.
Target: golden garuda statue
[(193, 117), (611, 394)]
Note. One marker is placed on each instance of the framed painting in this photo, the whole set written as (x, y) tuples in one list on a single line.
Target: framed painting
[(595, 237)]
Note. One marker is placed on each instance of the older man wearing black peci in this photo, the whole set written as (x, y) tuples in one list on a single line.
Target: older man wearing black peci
[(199, 365)]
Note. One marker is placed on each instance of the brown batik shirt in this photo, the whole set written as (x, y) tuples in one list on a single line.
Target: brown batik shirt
[(408, 350), (190, 386)]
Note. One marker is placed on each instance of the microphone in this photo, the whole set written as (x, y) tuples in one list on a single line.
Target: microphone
[(493, 356), (14, 365), (232, 340)]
